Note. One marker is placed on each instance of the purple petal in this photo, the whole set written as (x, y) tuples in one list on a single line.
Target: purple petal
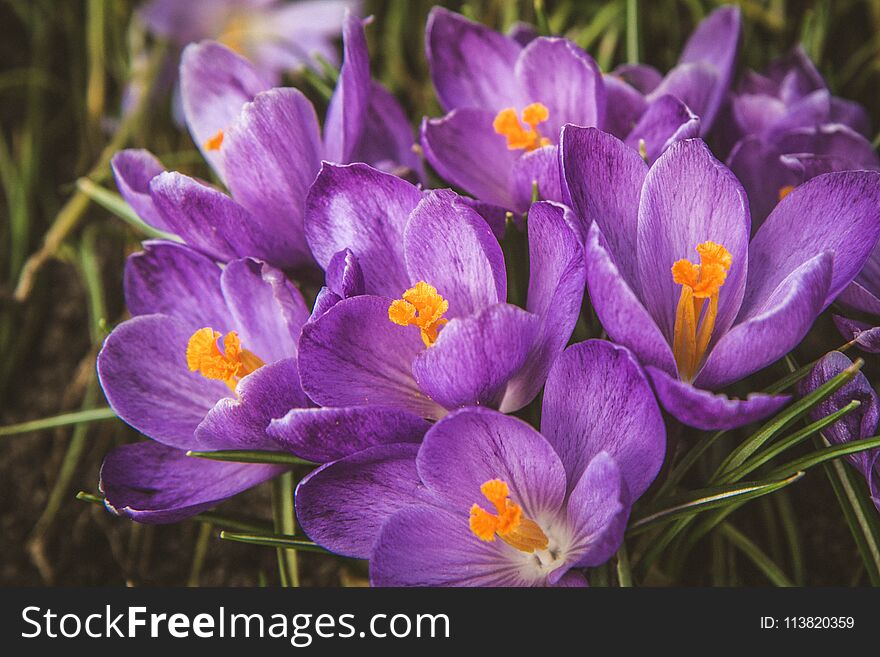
[(475, 357), (665, 121), (689, 198), (471, 65), (214, 84), (627, 106), (359, 208), (758, 166), (642, 77), (355, 356), (694, 85), (172, 279), (851, 114), (565, 79), (347, 112), (327, 434), (450, 246), (271, 155), (155, 484), (755, 114), (556, 292), (707, 411), (774, 329), (837, 212), (133, 169), (142, 369), (866, 336), (597, 399), (465, 150), (261, 396), (343, 505), (344, 275), (541, 168), (268, 310), (472, 446)]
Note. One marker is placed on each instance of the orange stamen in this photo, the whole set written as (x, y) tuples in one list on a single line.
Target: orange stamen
[(691, 335), (508, 523), (214, 143), (785, 191), (203, 355), (518, 137), (420, 306)]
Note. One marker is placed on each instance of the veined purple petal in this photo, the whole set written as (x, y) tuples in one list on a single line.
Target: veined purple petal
[(449, 245), (471, 64), (867, 337), (271, 156), (353, 355), (344, 275), (155, 484), (665, 121), (476, 356), (347, 112), (758, 166), (694, 84), (541, 168), (597, 400), (328, 434), (627, 106), (133, 169), (708, 411), (343, 505), (359, 208), (173, 279), (142, 369)]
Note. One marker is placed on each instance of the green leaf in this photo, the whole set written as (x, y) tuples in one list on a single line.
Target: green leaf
[(764, 563), (251, 456), (826, 454), (711, 498), (114, 203), (79, 417), (275, 540)]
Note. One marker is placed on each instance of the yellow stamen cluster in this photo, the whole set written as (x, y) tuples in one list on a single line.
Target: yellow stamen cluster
[(518, 137), (420, 306), (508, 521), (203, 355), (698, 283)]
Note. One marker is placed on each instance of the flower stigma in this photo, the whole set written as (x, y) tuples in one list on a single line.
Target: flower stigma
[(508, 522), (698, 283), (203, 355), (420, 306), (507, 124)]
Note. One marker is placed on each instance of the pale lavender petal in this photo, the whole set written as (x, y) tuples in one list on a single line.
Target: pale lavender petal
[(133, 169)]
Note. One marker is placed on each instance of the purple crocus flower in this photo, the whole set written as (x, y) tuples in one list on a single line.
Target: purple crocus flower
[(861, 302), (264, 144), (432, 329), (487, 500), (788, 128), (859, 424), (508, 97), (699, 325), (208, 359)]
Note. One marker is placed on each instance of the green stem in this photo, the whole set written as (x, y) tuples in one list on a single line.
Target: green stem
[(632, 31), (285, 523)]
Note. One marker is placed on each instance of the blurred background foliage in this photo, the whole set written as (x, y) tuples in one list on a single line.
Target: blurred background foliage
[(63, 67)]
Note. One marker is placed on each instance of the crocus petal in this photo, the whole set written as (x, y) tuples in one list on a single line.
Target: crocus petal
[(471, 64), (268, 311), (155, 484), (757, 165), (839, 212), (354, 355), (207, 219), (715, 42), (597, 399), (448, 245), (465, 150), (603, 181), (598, 508), (359, 208), (271, 155), (261, 396), (627, 106), (328, 434), (773, 330), (474, 445), (689, 198), (426, 546), (344, 275), (475, 357), (838, 142), (343, 505), (858, 424), (214, 84), (852, 114), (556, 291), (347, 111), (694, 85), (539, 168), (704, 410), (857, 297), (619, 310), (642, 77), (565, 79), (173, 279), (755, 114), (665, 121), (142, 369), (865, 335), (133, 169)]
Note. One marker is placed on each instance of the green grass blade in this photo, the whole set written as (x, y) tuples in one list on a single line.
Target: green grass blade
[(66, 419), (824, 455), (274, 540), (252, 456), (764, 563)]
